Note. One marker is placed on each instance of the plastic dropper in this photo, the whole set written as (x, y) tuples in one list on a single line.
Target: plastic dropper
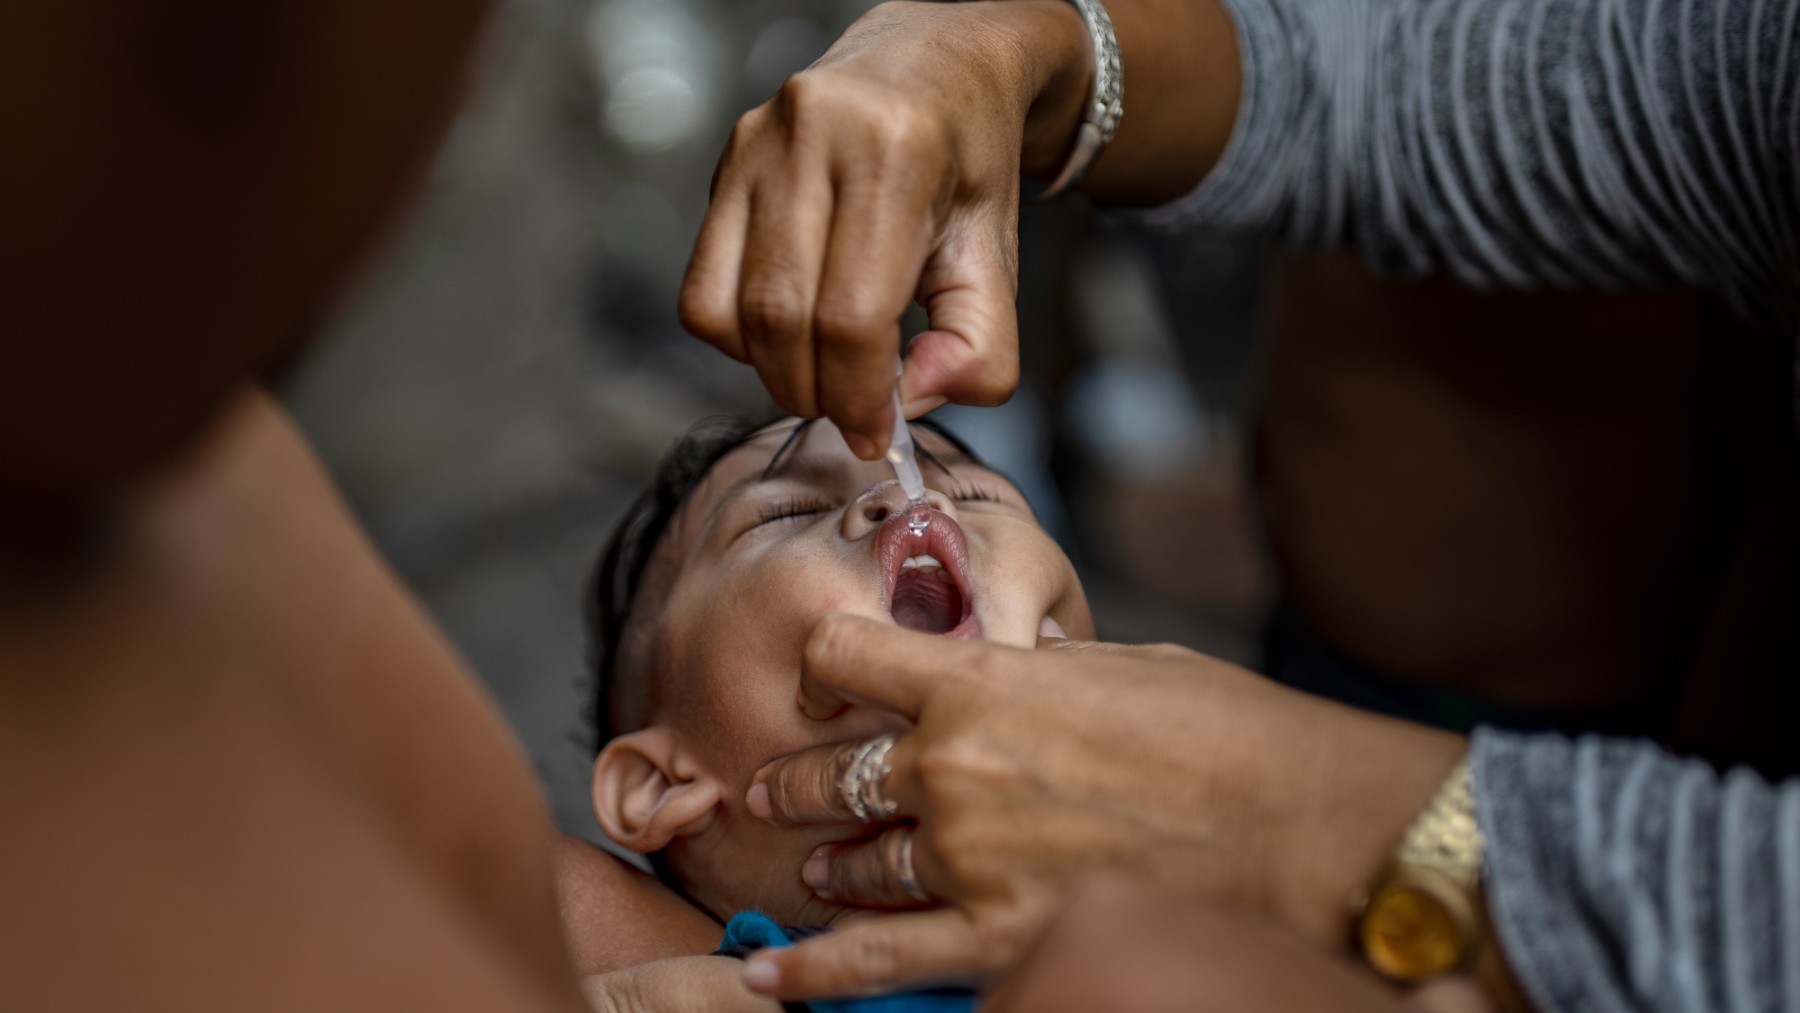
[(906, 469)]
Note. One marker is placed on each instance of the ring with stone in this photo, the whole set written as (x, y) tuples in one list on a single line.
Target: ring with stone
[(862, 779)]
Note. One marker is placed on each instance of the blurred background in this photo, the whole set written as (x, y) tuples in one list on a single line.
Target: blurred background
[(511, 369)]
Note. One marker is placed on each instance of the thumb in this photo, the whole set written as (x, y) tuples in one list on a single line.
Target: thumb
[(873, 957), (969, 289), (676, 985)]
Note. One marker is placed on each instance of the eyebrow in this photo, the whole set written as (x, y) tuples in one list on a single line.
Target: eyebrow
[(768, 474)]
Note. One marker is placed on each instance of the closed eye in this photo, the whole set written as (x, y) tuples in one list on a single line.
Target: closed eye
[(969, 492), (787, 510)]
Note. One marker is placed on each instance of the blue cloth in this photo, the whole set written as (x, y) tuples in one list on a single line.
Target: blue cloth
[(754, 930)]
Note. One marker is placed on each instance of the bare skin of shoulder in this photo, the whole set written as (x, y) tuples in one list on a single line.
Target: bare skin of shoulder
[(239, 768), (242, 770)]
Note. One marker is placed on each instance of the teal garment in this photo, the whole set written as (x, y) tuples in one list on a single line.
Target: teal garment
[(752, 930)]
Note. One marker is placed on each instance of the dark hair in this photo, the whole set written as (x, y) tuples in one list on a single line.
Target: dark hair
[(619, 575)]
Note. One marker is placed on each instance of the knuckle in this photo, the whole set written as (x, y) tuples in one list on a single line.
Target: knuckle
[(702, 315), (829, 647), (872, 956), (855, 873), (990, 667), (940, 766), (890, 130), (794, 792), (767, 309), (812, 109), (788, 794), (910, 129), (635, 1002), (825, 779), (745, 131), (622, 991), (947, 771), (994, 378), (851, 320), (799, 96)]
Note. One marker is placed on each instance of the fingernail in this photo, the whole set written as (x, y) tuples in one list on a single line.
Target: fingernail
[(816, 873), (757, 801), (861, 446), (762, 975)]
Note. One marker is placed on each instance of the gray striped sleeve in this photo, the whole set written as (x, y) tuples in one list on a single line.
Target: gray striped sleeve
[(1621, 878), (1562, 142), (1523, 142)]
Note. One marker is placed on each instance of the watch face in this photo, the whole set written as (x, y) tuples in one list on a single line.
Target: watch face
[(1411, 932)]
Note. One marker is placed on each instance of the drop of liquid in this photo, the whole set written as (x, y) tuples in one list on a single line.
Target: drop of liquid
[(918, 517)]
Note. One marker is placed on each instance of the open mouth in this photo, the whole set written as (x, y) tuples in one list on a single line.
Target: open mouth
[(926, 597), (927, 577)]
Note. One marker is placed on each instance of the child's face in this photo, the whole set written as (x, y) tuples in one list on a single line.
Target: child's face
[(758, 562)]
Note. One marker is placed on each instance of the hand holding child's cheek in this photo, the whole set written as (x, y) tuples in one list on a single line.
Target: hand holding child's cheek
[(1029, 772), (887, 173)]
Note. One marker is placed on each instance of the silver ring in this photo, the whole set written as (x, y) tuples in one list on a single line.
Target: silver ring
[(860, 784), (909, 876)]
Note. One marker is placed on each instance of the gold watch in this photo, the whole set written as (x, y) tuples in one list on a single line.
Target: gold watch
[(1424, 916)]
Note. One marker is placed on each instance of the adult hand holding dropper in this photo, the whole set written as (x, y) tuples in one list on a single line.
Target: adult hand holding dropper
[(889, 173)]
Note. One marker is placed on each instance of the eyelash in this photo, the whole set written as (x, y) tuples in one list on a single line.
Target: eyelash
[(967, 493), (790, 509)]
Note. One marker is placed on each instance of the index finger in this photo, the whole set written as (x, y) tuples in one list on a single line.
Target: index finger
[(879, 241), (851, 659), (872, 957), (709, 291)]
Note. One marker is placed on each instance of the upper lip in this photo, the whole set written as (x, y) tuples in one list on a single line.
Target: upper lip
[(943, 540)]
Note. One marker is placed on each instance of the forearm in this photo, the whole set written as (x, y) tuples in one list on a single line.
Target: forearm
[(1619, 877), (1182, 82), (1559, 142), (616, 917), (1371, 778)]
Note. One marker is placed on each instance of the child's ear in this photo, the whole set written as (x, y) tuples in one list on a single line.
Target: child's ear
[(646, 793)]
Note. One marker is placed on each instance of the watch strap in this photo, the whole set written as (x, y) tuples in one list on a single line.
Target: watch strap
[(1446, 836)]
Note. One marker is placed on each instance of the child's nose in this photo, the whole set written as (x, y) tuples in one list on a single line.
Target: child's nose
[(883, 500)]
